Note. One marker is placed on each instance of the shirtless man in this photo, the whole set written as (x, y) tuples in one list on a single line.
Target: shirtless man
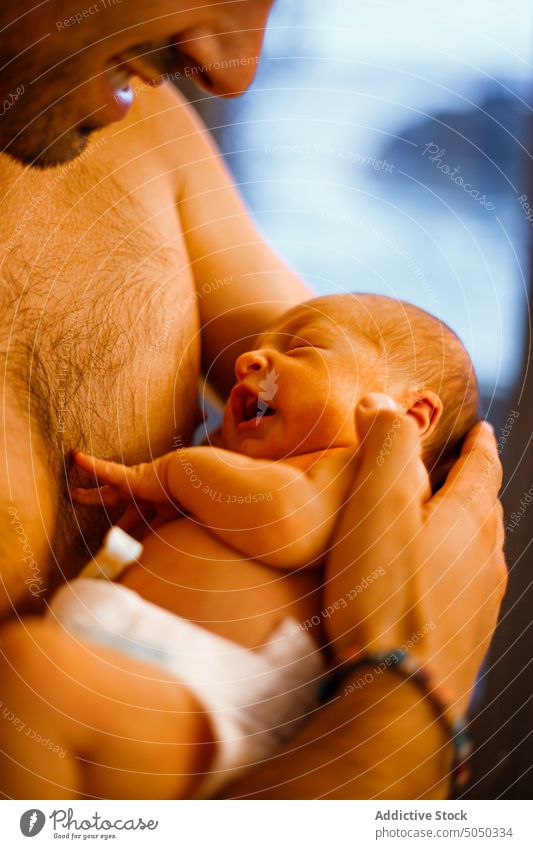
[(145, 229)]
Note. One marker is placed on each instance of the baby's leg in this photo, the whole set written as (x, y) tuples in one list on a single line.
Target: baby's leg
[(187, 570), (82, 721)]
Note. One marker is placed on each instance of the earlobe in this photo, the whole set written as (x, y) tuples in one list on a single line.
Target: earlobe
[(426, 409)]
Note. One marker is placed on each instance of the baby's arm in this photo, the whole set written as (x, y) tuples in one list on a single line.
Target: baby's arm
[(281, 513)]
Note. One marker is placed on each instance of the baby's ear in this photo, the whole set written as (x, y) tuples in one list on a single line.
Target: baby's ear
[(426, 408)]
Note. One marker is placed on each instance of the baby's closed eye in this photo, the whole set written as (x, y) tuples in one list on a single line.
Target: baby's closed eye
[(297, 344)]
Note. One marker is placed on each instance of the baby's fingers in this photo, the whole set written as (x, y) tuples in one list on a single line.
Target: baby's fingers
[(136, 518), (141, 481), (103, 470), (108, 496)]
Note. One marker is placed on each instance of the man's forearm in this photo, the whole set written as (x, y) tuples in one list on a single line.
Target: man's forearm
[(376, 740)]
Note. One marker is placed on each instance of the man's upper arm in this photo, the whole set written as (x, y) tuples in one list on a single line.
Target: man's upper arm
[(242, 285)]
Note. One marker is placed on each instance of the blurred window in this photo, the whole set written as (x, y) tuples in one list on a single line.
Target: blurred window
[(382, 148)]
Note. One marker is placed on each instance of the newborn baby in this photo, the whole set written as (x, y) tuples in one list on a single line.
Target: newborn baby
[(219, 595)]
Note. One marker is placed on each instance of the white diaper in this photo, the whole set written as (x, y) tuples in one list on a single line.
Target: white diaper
[(256, 699)]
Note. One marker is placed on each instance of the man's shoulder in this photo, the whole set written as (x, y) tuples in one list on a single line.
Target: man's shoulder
[(149, 99), (163, 124), (168, 113)]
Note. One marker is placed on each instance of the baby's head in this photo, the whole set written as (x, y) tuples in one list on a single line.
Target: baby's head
[(298, 389)]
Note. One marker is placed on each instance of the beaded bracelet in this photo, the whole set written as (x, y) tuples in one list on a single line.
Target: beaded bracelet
[(403, 663)]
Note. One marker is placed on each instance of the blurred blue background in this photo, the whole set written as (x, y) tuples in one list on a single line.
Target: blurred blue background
[(352, 143)]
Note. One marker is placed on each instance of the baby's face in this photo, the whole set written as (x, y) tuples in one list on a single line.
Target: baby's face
[(296, 392)]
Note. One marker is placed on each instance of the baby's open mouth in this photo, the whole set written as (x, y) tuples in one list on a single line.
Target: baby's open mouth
[(248, 406)]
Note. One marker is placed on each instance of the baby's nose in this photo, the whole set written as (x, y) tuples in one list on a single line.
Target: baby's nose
[(249, 362)]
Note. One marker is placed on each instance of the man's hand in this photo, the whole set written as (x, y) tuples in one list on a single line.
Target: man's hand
[(426, 572)]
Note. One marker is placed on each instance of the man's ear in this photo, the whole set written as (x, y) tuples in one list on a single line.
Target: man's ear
[(426, 409)]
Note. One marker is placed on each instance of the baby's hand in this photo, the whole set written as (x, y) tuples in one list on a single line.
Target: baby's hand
[(141, 489), (122, 483)]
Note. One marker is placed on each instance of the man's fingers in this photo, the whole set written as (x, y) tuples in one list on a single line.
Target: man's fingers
[(500, 529), (501, 572), (391, 470), (476, 477)]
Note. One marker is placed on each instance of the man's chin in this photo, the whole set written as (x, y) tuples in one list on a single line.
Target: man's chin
[(50, 153)]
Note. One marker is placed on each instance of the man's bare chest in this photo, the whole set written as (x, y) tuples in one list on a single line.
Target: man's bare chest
[(92, 233), (98, 288)]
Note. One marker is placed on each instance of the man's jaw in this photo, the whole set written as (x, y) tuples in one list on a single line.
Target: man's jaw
[(45, 141)]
